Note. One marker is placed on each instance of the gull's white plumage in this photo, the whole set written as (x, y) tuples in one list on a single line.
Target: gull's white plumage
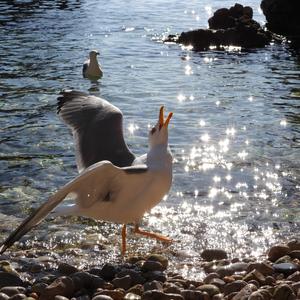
[(103, 190), (91, 68)]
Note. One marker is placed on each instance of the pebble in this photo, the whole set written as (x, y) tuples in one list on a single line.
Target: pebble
[(159, 258), (210, 289), (108, 272), (18, 297), (3, 296), (123, 282), (284, 292), (155, 275), (158, 295), (153, 285), (66, 269), (102, 297), (286, 268), (152, 265), (294, 277), (294, 245), (9, 279), (278, 251), (13, 290), (263, 268), (131, 296), (213, 254)]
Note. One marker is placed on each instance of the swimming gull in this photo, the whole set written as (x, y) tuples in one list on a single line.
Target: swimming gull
[(104, 191), (91, 68)]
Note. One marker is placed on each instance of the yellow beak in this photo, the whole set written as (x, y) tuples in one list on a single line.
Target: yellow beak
[(161, 118)]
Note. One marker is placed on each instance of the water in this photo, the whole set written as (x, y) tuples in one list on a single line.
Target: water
[(235, 134)]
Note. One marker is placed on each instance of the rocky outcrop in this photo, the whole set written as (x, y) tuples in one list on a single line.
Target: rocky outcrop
[(227, 27), (283, 17)]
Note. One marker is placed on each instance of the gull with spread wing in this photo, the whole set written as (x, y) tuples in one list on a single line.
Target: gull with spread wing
[(112, 185)]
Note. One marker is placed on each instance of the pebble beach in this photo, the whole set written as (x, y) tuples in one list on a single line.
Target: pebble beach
[(44, 275)]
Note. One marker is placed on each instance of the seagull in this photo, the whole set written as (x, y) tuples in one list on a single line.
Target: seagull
[(91, 68), (113, 185)]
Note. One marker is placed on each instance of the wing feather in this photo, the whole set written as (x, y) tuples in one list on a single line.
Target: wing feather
[(97, 128)]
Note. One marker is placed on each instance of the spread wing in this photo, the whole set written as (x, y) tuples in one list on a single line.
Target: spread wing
[(84, 68), (97, 128), (96, 181)]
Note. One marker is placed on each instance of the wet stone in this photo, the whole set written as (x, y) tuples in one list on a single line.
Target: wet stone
[(13, 290), (155, 275), (9, 279), (153, 285), (294, 245), (39, 287), (131, 296), (136, 276), (263, 268), (255, 275), (151, 265), (285, 268), (114, 294), (284, 292), (295, 254), (192, 295), (108, 272), (123, 282), (136, 289), (172, 289), (210, 289), (159, 258), (278, 251), (213, 254), (256, 296), (283, 259), (158, 295), (294, 277), (234, 286), (58, 297), (87, 280), (18, 297), (102, 297), (211, 276), (245, 292), (3, 296), (63, 286), (66, 269)]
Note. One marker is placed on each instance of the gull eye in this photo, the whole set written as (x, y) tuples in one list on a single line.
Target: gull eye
[(153, 130)]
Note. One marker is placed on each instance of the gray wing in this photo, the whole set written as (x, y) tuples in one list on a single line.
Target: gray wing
[(97, 128), (84, 68)]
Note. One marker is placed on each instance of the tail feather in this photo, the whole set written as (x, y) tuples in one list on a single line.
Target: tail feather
[(34, 219)]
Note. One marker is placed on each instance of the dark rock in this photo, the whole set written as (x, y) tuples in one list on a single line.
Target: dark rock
[(295, 254), (255, 275), (155, 275), (136, 276), (210, 289), (283, 17), (131, 296), (294, 277), (211, 276), (158, 295), (285, 292), (278, 251), (213, 254), (172, 288), (102, 297), (137, 289), (3, 296), (39, 287), (87, 280), (244, 293), (263, 268), (58, 297), (285, 268), (192, 295), (234, 286), (123, 282), (18, 297), (13, 290), (153, 285), (9, 279), (63, 286), (108, 272), (152, 265), (256, 296), (294, 245), (114, 294), (159, 258), (66, 269)]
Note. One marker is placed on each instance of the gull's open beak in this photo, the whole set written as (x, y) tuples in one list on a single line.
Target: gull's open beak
[(161, 118)]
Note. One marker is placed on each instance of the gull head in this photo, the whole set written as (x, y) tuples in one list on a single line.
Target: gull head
[(94, 53), (158, 135)]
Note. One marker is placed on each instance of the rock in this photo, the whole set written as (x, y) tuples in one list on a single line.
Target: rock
[(39, 287), (158, 295), (245, 292), (285, 292), (153, 285), (283, 259), (152, 265), (87, 280), (234, 286), (231, 269), (282, 17), (136, 276), (117, 294), (159, 258), (192, 295), (263, 268), (218, 297), (18, 297), (58, 297), (213, 254), (211, 276), (108, 272), (66, 269), (138, 289), (123, 282), (285, 268), (9, 279), (63, 286), (294, 245), (102, 297), (255, 275), (210, 289), (3, 296), (278, 251), (295, 254), (13, 290), (172, 289), (256, 296), (294, 277), (155, 275), (131, 296), (218, 282)]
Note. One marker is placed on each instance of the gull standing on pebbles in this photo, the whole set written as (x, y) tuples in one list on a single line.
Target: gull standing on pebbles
[(112, 184), (91, 68)]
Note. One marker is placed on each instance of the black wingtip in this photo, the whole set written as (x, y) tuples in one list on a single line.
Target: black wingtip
[(3, 247), (66, 96)]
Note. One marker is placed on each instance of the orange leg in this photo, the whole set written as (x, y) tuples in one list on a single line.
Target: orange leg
[(123, 239), (152, 234)]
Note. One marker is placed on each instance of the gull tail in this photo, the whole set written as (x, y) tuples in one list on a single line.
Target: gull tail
[(35, 218)]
